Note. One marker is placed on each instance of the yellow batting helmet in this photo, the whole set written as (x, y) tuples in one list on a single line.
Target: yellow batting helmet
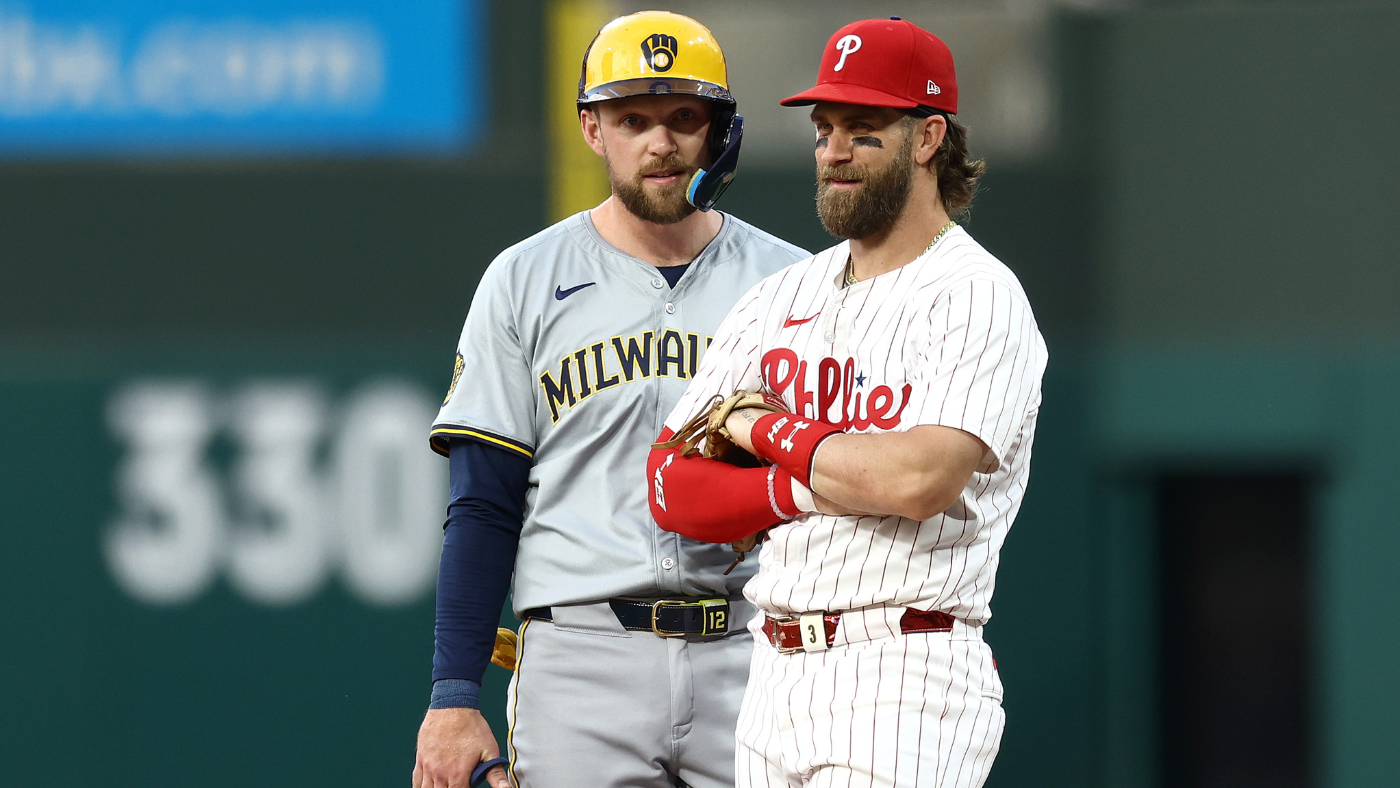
[(658, 53), (653, 52)]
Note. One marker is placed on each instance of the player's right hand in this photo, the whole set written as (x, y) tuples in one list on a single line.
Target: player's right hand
[(451, 743)]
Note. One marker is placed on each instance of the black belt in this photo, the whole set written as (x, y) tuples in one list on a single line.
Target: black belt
[(668, 618)]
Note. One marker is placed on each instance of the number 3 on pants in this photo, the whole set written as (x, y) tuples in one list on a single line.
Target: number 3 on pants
[(813, 629)]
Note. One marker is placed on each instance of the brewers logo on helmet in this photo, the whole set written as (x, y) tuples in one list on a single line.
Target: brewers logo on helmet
[(657, 53)]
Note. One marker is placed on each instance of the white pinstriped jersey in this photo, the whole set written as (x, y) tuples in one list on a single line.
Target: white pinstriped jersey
[(949, 340)]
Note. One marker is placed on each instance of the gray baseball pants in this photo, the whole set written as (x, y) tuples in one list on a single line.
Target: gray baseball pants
[(593, 705)]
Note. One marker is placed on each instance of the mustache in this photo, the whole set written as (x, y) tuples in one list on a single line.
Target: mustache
[(672, 162), (840, 172)]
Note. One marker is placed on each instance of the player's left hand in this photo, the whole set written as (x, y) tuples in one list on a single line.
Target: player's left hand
[(707, 433), (740, 425)]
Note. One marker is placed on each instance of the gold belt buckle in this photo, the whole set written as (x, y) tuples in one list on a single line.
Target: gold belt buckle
[(714, 616)]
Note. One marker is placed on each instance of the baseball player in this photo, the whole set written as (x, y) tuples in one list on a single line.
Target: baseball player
[(905, 365), (578, 342)]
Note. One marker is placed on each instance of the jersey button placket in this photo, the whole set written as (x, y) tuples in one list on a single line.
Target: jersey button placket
[(830, 320), (668, 552), (840, 332)]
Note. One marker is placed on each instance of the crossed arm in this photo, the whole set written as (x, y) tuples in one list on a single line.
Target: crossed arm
[(916, 474)]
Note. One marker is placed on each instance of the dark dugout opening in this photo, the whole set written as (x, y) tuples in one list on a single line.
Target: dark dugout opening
[(1235, 630)]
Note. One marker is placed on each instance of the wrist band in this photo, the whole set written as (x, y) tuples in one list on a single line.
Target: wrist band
[(790, 442), (455, 694), (780, 482)]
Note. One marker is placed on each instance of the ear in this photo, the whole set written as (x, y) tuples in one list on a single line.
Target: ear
[(592, 130), (931, 131)]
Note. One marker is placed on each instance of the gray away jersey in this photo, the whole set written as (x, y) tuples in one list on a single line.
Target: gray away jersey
[(573, 354)]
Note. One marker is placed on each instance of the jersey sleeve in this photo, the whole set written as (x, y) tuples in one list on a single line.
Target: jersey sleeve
[(492, 396), (730, 363), (979, 370)]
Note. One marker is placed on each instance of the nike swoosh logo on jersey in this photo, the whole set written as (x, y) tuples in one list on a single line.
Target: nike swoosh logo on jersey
[(789, 323), (560, 293)]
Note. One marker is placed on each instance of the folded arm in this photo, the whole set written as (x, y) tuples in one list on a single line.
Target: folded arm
[(916, 474)]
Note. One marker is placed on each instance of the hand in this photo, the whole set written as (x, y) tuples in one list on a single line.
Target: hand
[(452, 742), (740, 425), (828, 506)]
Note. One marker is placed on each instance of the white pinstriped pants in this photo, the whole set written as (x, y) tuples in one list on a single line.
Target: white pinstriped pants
[(895, 710)]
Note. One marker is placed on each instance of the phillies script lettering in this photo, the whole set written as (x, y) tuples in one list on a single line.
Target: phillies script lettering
[(836, 384)]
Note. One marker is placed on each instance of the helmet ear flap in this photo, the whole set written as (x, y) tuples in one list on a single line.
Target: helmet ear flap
[(721, 127), (706, 186)]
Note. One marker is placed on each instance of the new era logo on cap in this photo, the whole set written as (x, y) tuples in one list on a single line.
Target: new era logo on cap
[(899, 65)]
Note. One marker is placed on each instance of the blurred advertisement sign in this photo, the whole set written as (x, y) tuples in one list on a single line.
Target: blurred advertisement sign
[(153, 77)]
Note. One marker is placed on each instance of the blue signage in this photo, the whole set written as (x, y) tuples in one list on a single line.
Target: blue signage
[(219, 77)]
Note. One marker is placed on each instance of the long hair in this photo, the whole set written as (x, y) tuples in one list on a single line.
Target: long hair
[(957, 172)]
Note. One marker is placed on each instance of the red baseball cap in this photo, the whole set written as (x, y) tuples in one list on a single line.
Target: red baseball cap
[(884, 63)]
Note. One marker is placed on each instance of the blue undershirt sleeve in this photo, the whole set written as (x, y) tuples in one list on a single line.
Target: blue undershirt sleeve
[(478, 557)]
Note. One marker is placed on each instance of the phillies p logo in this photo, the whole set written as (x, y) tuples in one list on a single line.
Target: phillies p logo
[(660, 50), (847, 46)]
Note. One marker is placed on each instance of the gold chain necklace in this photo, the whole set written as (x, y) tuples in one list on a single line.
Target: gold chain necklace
[(851, 265)]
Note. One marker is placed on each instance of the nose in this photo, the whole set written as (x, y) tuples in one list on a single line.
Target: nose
[(837, 150), (662, 142)]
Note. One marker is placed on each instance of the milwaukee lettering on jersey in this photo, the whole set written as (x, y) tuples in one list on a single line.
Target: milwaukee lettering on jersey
[(833, 384), (601, 365)]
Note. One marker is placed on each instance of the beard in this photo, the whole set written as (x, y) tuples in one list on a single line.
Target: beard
[(666, 205), (874, 206)]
